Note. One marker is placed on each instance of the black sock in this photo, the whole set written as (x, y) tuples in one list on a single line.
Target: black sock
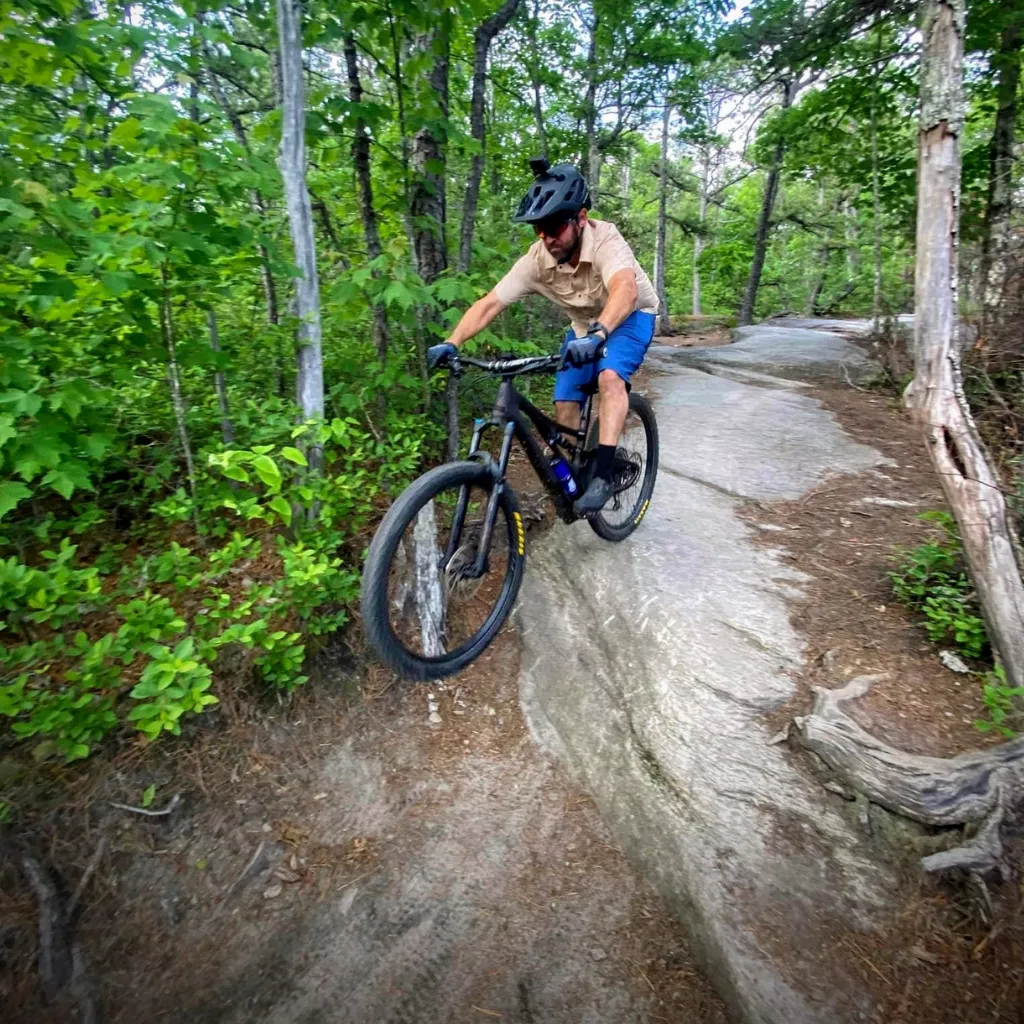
[(605, 458)]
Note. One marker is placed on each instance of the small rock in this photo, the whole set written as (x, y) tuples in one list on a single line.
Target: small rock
[(781, 736), (273, 890), (266, 827), (845, 522), (597, 955), (829, 658), (319, 796), (954, 662), (434, 718), (491, 711)]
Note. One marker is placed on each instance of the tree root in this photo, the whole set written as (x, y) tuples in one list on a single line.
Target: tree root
[(963, 790), (62, 966)]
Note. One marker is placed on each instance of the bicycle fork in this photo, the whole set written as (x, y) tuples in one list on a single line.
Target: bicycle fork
[(497, 471)]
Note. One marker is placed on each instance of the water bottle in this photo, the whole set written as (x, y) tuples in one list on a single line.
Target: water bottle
[(563, 474)]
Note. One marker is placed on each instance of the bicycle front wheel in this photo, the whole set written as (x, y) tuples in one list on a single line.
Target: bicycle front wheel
[(431, 604), (634, 471)]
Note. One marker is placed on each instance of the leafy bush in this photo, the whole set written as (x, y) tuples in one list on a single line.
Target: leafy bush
[(999, 700), (97, 643), (932, 579)]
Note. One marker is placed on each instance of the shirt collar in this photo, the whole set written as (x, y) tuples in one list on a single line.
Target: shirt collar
[(548, 262)]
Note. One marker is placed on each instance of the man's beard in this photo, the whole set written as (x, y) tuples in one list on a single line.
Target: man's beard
[(562, 260)]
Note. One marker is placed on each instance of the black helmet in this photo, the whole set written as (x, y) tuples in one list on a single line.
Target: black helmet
[(555, 190)]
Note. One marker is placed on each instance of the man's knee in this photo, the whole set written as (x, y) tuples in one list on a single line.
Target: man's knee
[(610, 383)]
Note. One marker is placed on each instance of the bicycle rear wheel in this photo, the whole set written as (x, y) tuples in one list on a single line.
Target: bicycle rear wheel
[(634, 471), (429, 608)]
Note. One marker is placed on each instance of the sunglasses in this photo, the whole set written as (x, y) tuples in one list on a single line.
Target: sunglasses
[(552, 227)]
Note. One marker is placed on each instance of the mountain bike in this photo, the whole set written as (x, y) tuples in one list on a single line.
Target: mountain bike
[(445, 566)]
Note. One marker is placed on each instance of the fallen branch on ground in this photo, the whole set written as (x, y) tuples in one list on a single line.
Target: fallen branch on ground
[(174, 801)]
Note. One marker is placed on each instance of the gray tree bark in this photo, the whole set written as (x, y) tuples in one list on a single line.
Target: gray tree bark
[(771, 189), (664, 323), (590, 115), (177, 396), (361, 161), (702, 217), (227, 430), (997, 237), (427, 199), (309, 384), (876, 193), (482, 40), (538, 110), (935, 395)]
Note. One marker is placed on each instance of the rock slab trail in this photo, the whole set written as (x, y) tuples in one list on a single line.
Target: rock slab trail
[(648, 668)]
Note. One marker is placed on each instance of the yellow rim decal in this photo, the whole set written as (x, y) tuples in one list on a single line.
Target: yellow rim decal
[(642, 512), (521, 536)]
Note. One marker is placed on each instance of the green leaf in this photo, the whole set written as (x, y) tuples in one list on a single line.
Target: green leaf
[(67, 478), (236, 473), (10, 495), (267, 471), (282, 508), (117, 282), (147, 795), (294, 455), (7, 431)]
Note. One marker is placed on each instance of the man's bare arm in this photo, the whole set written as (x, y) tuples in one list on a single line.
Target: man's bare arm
[(621, 299), (476, 318)]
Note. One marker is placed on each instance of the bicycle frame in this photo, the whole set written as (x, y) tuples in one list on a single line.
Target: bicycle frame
[(514, 415)]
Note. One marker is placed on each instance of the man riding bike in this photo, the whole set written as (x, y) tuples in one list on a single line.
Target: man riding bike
[(587, 269)]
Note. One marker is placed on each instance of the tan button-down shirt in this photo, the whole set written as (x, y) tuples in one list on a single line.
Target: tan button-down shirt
[(582, 291)]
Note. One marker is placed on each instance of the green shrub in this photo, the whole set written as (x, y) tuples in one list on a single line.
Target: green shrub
[(932, 579), (999, 701), (93, 644)]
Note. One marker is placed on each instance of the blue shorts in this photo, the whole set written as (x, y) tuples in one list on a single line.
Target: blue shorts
[(625, 351)]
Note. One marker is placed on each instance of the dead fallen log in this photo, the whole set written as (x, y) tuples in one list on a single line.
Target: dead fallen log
[(972, 788)]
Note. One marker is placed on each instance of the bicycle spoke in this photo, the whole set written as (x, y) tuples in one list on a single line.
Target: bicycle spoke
[(438, 601)]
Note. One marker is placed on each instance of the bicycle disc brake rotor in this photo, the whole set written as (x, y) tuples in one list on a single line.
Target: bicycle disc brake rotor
[(626, 470)]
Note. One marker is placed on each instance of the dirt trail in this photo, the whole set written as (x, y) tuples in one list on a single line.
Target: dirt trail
[(404, 872)]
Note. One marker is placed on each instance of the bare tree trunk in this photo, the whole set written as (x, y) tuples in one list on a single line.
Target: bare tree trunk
[(664, 324), (227, 430), (590, 112), (852, 242), (771, 189), (427, 198), (309, 384), (702, 216), (361, 160), (935, 395), (177, 398), (997, 237), (538, 110), (876, 297), (485, 34)]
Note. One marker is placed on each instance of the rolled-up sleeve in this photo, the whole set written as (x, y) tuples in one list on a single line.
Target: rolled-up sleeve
[(517, 283)]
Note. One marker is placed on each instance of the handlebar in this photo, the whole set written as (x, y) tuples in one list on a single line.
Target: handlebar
[(506, 367)]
